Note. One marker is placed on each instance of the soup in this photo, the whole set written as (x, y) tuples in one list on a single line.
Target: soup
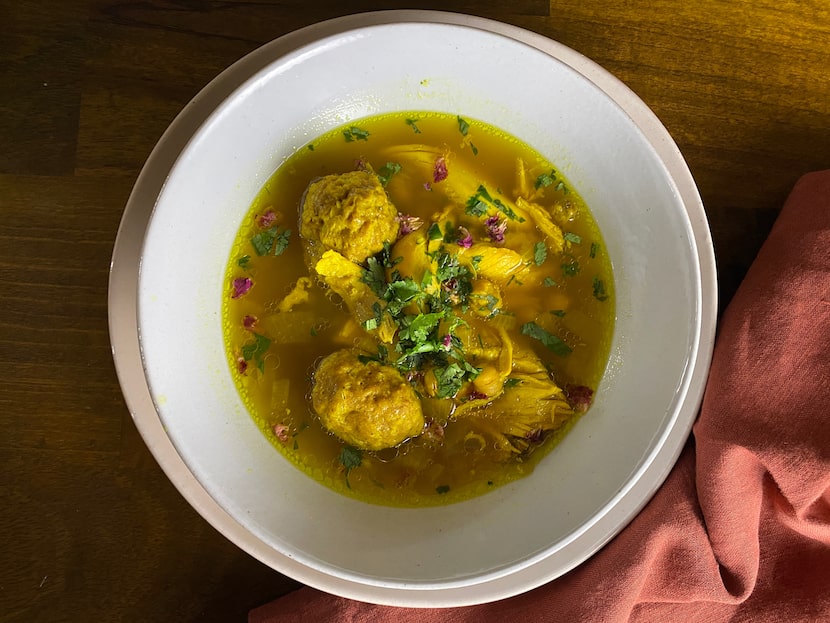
[(418, 308)]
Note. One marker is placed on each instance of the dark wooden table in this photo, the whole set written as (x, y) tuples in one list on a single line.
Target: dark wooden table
[(91, 528)]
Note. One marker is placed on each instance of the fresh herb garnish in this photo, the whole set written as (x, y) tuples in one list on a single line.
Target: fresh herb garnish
[(599, 289), (549, 282), (562, 188), (478, 204), (354, 133), (442, 489), (387, 171), (412, 124), (545, 179), (559, 313), (550, 341), (511, 382), (594, 249), (570, 267), (256, 350), (572, 237), (540, 253), (463, 126), (375, 276), (272, 238), (434, 232), (350, 458), (243, 261), (310, 147)]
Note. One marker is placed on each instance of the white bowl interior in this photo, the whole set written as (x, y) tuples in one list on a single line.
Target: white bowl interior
[(481, 75)]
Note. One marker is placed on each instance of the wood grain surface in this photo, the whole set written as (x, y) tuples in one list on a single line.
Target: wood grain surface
[(91, 528)]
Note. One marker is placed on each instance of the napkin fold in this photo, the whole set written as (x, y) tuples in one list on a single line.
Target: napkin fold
[(740, 530)]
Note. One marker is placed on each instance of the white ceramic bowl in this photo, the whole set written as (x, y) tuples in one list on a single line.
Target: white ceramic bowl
[(198, 184)]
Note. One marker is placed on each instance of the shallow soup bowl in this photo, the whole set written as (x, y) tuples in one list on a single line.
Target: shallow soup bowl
[(167, 285)]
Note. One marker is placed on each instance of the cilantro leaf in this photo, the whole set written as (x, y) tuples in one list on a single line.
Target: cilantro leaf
[(545, 179), (549, 282), (412, 124), (442, 489), (450, 379), (263, 241), (375, 277), (354, 133), (572, 237), (540, 253), (594, 249), (550, 341), (256, 350), (350, 458), (243, 261), (570, 267), (387, 171), (599, 290), (463, 126)]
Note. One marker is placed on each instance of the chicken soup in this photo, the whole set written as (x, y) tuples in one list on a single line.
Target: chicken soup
[(418, 308)]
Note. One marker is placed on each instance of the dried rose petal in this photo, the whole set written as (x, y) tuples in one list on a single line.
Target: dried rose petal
[(409, 223), (465, 239), (249, 322), (434, 431), (447, 341), (535, 436), (241, 365), (580, 397), (241, 286), (475, 395), (427, 186), (439, 171), (266, 220), (360, 164), (496, 228), (281, 431)]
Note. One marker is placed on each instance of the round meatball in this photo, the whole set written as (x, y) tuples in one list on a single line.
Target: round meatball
[(349, 213), (368, 405)]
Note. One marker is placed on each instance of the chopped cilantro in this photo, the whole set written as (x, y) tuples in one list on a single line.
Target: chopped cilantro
[(281, 242), (549, 282), (562, 188), (412, 124), (375, 276), (442, 489), (450, 380), (256, 350), (594, 249), (311, 147), (434, 232), (387, 171), (272, 238), (463, 126), (550, 341), (354, 133), (574, 238), (475, 206), (243, 261), (599, 289), (350, 458), (511, 382), (474, 149), (546, 179), (559, 313), (478, 204), (570, 267), (540, 253)]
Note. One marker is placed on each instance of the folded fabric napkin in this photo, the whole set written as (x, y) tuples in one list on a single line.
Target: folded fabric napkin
[(740, 530)]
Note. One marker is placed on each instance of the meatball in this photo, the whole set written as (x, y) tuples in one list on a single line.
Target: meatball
[(349, 213), (368, 405)]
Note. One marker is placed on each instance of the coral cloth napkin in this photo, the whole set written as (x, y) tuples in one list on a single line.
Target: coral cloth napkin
[(740, 530)]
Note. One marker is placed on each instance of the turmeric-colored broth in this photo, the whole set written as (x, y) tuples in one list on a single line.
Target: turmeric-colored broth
[(273, 350)]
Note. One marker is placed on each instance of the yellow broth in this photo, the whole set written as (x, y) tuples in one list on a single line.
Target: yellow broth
[(273, 353)]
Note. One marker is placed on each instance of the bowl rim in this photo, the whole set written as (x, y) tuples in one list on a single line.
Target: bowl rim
[(123, 306)]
